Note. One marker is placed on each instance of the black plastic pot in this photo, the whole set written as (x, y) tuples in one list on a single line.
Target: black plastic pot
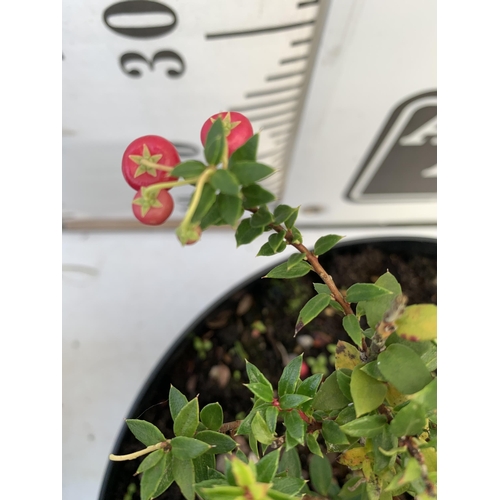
[(390, 253)]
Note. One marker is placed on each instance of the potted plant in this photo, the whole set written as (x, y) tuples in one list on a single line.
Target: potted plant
[(360, 411)]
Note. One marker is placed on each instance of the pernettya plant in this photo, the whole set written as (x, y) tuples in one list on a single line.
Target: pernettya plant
[(375, 414)]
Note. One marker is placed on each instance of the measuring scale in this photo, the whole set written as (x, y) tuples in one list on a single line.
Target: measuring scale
[(344, 94), (336, 89)]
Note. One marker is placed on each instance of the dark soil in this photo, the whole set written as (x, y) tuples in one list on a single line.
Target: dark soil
[(234, 328)]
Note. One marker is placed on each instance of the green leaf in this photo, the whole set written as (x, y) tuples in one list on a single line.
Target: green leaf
[(294, 259), (326, 243), (186, 448), (295, 426), (368, 426), (371, 369), (215, 142), (367, 393), (229, 207), (255, 376), (290, 463), (427, 397), (145, 432), (296, 235), (262, 218), (245, 427), (267, 466), (271, 417), (249, 172), (151, 478), (311, 310), (247, 152), (288, 485), (275, 240), (261, 430), (403, 368), (177, 401), (376, 308), (282, 272), (225, 182), (320, 471), (204, 466), (151, 460), (312, 443), (385, 441), (183, 472), (360, 292), (285, 213), (346, 415), (351, 326), (187, 421), (262, 391), (293, 401), (255, 195), (329, 396), (344, 380), (212, 416), (246, 233), (412, 471), (290, 377), (267, 250), (220, 442), (206, 202), (310, 385), (188, 169), (418, 322), (212, 217), (167, 478), (322, 288), (332, 433), (409, 421)]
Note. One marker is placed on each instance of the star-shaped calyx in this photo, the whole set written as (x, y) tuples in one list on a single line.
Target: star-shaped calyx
[(139, 160), (227, 124), (147, 200)]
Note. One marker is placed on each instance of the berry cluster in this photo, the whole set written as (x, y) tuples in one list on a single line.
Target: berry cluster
[(149, 166)]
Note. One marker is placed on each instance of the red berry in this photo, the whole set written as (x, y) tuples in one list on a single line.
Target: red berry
[(153, 149), (304, 370), (237, 127), (152, 208)]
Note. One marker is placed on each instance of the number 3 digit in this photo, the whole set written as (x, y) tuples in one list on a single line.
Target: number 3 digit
[(159, 56)]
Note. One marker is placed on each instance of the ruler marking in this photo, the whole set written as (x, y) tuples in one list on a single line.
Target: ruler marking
[(259, 31), (307, 4), (279, 133), (282, 76), (268, 154), (264, 105), (274, 125), (301, 42), (293, 59), (259, 93), (272, 115)]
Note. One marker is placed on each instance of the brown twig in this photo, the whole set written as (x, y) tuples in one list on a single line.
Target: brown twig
[(313, 260), (415, 452)]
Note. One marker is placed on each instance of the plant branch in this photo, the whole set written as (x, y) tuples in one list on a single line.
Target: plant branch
[(140, 453), (415, 452), (167, 185), (313, 260)]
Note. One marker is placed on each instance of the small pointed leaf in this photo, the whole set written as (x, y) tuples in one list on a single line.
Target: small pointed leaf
[(311, 310)]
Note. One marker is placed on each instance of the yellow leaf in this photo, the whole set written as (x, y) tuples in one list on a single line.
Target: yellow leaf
[(346, 356), (418, 322), (430, 457), (353, 458)]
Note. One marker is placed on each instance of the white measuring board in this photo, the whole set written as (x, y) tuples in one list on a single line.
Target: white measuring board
[(138, 67)]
